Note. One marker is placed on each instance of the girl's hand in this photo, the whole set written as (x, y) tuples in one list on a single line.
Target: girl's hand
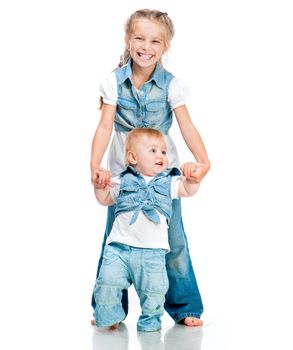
[(194, 172), (101, 178)]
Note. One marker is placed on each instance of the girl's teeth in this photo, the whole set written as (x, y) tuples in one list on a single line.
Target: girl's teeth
[(147, 57)]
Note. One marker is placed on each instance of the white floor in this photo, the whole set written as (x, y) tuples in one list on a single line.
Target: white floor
[(235, 329), (176, 337), (172, 336), (169, 338)]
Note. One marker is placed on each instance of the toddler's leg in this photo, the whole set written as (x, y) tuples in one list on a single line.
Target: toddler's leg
[(109, 224), (113, 277), (151, 284)]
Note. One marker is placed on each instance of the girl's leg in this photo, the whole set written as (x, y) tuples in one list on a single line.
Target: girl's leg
[(109, 224), (183, 299)]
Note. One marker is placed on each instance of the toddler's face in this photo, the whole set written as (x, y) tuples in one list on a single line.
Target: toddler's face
[(150, 155), (146, 43)]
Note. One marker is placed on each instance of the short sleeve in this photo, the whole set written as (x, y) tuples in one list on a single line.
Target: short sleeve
[(177, 93), (176, 180), (108, 89), (114, 191)]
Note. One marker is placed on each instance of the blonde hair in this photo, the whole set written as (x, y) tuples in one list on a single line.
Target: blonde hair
[(134, 136), (152, 15)]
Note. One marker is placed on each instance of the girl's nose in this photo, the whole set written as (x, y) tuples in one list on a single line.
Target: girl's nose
[(146, 45)]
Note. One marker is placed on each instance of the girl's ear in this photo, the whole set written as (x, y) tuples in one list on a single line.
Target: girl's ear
[(131, 158), (166, 48)]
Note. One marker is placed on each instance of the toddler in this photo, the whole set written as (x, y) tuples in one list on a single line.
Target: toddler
[(138, 242)]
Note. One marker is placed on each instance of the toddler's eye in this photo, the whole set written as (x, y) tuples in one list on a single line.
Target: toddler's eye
[(156, 42), (153, 150), (164, 152)]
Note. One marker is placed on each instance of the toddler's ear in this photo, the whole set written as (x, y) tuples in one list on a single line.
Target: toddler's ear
[(131, 158)]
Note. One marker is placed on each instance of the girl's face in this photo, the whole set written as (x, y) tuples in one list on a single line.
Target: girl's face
[(147, 43)]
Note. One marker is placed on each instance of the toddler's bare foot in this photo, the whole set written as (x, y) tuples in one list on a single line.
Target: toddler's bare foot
[(114, 326), (192, 322)]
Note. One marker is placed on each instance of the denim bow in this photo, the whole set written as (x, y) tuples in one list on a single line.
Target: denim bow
[(136, 195)]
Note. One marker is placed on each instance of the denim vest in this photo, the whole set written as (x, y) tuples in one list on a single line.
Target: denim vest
[(146, 108), (137, 195)]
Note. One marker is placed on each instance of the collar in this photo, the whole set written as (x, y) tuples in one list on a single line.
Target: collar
[(169, 171), (130, 169), (157, 76)]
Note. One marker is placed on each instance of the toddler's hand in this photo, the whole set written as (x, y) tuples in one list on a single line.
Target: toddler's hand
[(194, 172), (101, 178)]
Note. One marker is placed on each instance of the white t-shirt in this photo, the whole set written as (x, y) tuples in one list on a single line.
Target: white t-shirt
[(177, 94), (143, 233)]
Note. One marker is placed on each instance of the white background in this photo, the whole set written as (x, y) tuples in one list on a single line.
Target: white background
[(236, 57)]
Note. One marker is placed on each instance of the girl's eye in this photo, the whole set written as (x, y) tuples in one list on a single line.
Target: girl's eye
[(164, 152), (153, 150), (156, 42), (138, 38)]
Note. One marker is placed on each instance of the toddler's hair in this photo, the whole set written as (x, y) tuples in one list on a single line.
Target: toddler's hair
[(152, 15), (134, 136)]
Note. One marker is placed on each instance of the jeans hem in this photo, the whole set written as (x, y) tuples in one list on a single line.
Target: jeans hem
[(142, 329), (108, 324), (181, 317)]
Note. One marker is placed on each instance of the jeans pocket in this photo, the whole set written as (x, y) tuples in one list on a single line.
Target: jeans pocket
[(110, 255)]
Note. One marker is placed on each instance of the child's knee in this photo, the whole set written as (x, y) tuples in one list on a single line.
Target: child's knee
[(104, 294), (178, 264)]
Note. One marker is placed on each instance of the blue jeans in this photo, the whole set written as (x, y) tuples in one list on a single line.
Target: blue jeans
[(122, 266), (183, 297)]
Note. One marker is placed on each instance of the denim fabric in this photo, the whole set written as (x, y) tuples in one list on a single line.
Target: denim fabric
[(136, 195), (183, 297), (122, 266), (146, 108)]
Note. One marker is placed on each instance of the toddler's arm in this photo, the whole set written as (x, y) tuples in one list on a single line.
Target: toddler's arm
[(187, 188), (103, 194)]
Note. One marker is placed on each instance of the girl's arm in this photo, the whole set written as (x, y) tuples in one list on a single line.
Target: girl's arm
[(100, 143), (195, 144)]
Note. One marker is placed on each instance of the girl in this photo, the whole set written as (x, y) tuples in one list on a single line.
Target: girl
[(141, 93)]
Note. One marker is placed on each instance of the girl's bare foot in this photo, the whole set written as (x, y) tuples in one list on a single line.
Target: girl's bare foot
[(114, 326), (192, 322)]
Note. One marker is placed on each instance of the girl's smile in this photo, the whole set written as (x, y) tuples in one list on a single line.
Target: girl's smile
[(146, 43), (144, 56)]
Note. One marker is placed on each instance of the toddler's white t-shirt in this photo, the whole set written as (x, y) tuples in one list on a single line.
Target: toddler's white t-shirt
[(143, 233)]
